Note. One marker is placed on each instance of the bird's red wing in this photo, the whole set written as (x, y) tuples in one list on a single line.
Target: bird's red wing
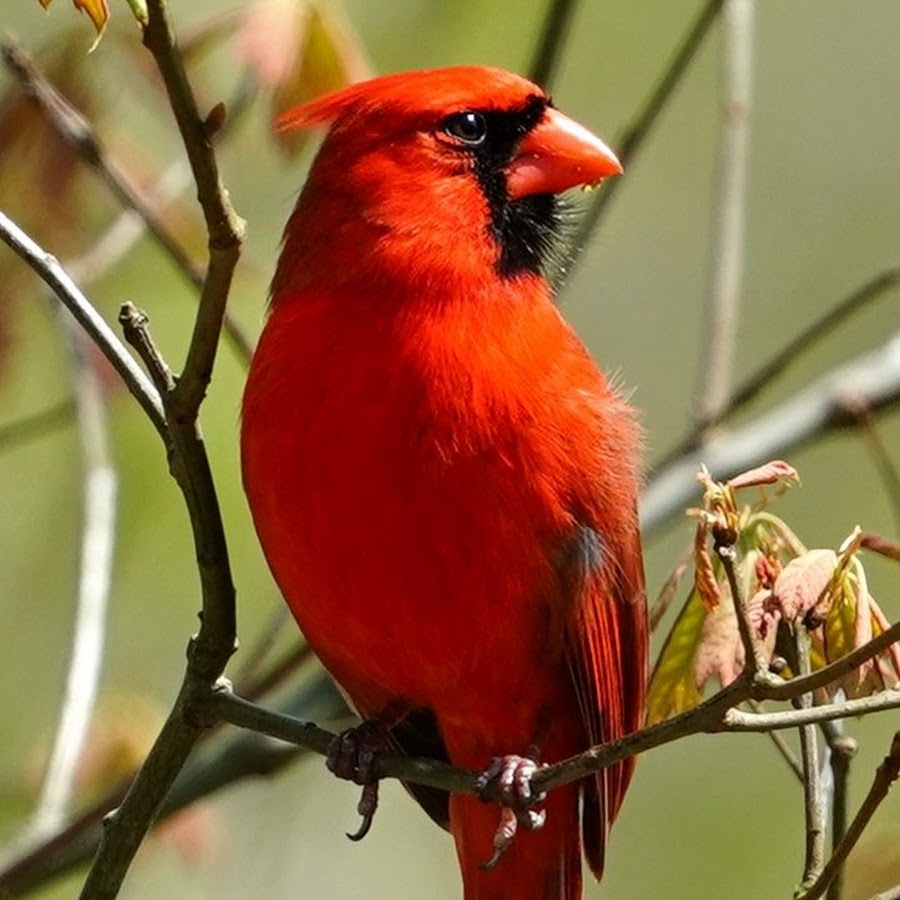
[(608, 656)]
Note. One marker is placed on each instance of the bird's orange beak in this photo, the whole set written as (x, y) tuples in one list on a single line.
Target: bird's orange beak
[(557, 154)]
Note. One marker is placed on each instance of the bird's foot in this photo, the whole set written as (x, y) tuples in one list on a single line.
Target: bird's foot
[(512, 777), (351, 756)]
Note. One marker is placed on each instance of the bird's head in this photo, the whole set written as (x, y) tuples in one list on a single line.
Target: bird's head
[(439, 173)]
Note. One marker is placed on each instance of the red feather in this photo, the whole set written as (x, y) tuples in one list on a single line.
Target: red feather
[(442, 481)]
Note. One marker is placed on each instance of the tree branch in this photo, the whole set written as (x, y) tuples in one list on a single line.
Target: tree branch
[(97, 542), (813, 808), (78, 133), (56, 278), (632, 139), (802, 343), (36, 425), (210, 650), (224, 227), (727, 248), (885, 775), (873, 378)]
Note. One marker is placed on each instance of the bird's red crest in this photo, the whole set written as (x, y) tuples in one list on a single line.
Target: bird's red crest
[(431, 90)]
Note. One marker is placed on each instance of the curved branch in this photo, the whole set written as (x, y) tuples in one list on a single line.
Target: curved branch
[(58, 280), (872, 380)]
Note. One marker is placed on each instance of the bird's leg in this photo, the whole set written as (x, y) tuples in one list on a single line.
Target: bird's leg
[(512, 776)]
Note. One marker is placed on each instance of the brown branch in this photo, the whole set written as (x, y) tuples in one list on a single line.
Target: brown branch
[(738, 720), (787, 690), (210, 650), (56, 278), (224, 227), (885, 776)]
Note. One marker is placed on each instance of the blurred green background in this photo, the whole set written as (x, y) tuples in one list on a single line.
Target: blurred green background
[(706, 816)]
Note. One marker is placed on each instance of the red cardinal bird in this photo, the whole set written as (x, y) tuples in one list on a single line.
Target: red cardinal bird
[(443, 483)]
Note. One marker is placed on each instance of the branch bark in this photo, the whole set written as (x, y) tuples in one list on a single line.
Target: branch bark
[(821, 407)]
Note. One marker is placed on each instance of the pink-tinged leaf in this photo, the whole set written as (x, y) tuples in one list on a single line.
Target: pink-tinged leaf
[(800, 585), (880, 624), (269, 37), (774, 472), (720, 653)]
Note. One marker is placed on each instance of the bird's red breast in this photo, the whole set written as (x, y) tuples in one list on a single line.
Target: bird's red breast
[(443, 483)]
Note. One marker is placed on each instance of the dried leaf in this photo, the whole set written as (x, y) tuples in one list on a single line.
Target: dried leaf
[(96, 10), (774, 472), (705, 582)]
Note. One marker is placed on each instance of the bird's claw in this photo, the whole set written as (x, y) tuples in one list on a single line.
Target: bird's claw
[(512, 776), (351, 756)]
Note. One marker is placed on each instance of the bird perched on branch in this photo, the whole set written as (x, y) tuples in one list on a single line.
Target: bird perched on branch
[(443, 482)]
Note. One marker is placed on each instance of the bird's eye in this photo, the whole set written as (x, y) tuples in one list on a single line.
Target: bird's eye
[(468, 127)]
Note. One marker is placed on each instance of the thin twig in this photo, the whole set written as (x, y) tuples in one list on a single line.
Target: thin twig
[(818, 409), (885, 775), (754, 659), (255, 655), (715, 715), (98, 538), (235, 756), (551, 42), (841, 750), (632, 139), (780, 744), (813, 807), (58, 280), (36, 425), (729, 212), (669, 589), (802, 343), (78, 133), (884, 464)]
